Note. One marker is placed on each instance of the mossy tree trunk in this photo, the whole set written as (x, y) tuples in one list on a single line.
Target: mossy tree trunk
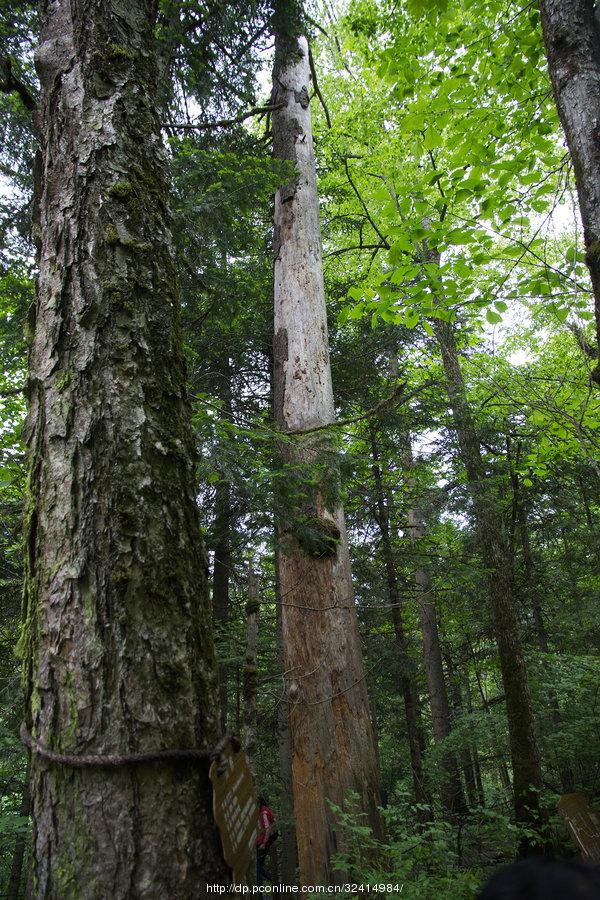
[(117, 644), (571, 30), (332, 742)]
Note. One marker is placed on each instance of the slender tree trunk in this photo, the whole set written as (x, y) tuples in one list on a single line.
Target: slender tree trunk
[(473, 745), (406, 673), (527, 779), (452, 794), (251, 670), (571, 30), (289, 856), (495, 740), (16, 868), (463, 756), (117, 643), (566, 773), (222, 550), (333, 748)]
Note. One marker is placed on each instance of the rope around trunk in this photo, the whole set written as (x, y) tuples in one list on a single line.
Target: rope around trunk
[(127, 759)]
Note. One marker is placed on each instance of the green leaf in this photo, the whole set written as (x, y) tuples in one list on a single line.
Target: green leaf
[(493, 317), (432, 139), (399, 248)]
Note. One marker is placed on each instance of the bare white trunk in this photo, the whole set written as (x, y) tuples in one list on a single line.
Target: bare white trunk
[(332, 741)]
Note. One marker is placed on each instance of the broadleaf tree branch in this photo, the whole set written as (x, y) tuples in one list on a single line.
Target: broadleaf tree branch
[(222, 123)]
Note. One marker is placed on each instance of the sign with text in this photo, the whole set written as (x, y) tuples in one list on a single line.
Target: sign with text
[(583, 824), (235, 811)]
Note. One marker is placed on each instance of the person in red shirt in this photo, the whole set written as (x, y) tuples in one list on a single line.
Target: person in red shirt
[(264, 840)]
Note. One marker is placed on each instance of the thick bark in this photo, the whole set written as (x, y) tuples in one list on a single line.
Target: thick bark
[(527, 779), (331, 733), (222, 549), (117, 643), (571, 30), (16, 867), (452, 795), (251, 670), (406, 673)]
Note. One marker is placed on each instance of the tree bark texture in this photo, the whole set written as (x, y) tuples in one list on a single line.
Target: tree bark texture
[(117, 642), (527, 779), (406, 672), (452, 794), (332, 741), (571, 30)]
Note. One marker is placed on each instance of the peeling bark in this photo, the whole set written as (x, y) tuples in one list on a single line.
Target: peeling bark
[(571, 30), (117, 644), (332, 741)]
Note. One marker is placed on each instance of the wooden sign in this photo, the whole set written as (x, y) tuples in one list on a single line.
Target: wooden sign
[(583, 824), (235, 810)]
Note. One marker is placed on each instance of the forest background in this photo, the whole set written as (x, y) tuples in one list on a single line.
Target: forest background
[(455, 279)]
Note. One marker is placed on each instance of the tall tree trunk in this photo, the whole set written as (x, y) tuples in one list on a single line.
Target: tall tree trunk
[(289, 856), (527, 779), (222, 549), (571, 30), (16, 867), (333, 748), (406, 673), (117, 643), (251, 670), (452, 795)]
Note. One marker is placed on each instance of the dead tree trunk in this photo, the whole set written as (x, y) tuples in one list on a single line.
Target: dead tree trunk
[(571, 30), (251, 670), (117, 609), (527, 779), (452, 795), (331, 733)]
